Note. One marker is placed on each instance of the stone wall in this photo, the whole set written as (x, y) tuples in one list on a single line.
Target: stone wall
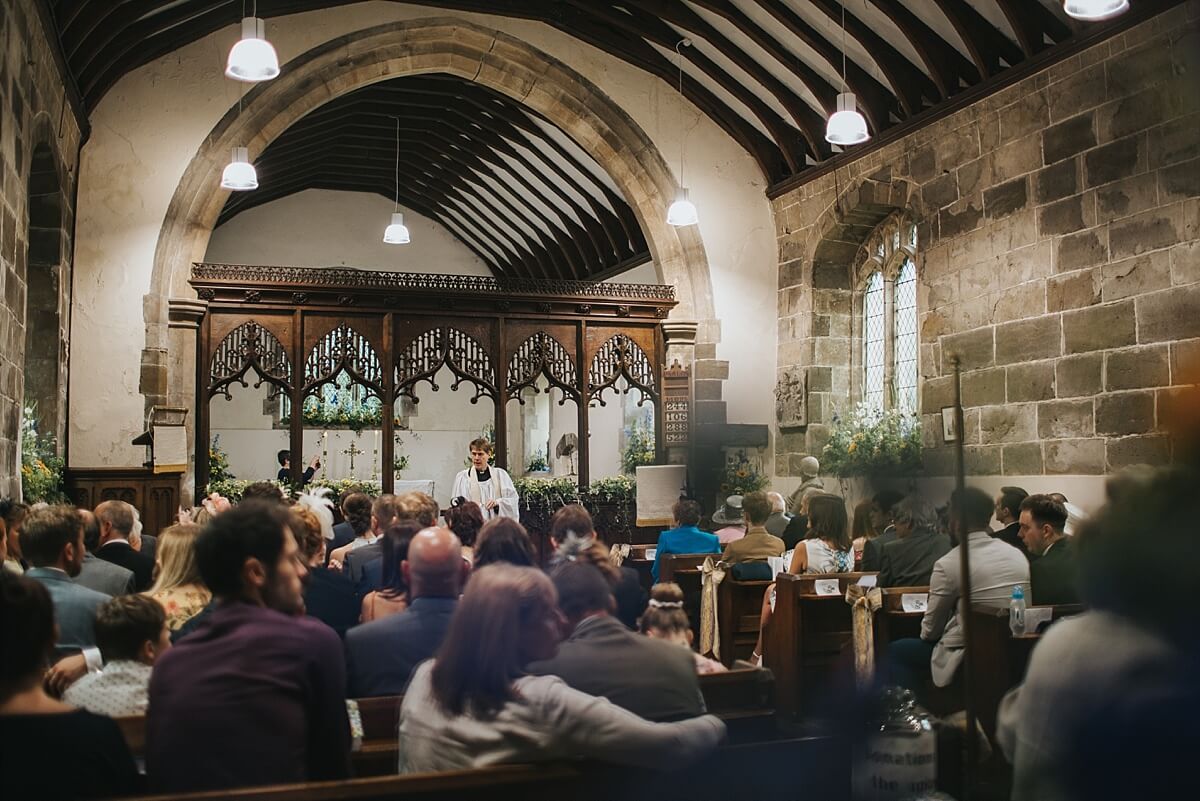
[(39, 150), (1059, 257)]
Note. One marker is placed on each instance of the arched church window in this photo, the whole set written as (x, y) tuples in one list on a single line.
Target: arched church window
[(888, 325), (906, 337), (873, 340)]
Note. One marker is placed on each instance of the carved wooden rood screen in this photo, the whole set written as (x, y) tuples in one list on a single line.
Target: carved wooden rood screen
[(289, 332)]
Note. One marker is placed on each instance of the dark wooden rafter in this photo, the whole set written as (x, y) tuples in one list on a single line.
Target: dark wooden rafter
[(733, 78), (451, 136), (987, 46), (1033, 23), (948, 67)]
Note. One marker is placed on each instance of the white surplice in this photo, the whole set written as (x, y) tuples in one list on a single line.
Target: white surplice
[(498, 488)]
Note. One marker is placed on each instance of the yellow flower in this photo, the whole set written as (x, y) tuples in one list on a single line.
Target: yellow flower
[(853, 447)]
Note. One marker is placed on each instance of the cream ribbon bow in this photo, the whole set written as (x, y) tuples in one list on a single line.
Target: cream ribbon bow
[(618, 553), (863, 605), (711, 575)]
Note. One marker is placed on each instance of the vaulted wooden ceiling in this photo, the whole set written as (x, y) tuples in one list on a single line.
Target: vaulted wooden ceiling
[(528, 202), (766, 71)]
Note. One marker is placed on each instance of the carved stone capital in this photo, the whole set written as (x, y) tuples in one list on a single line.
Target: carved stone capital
[(185, 312), (680, 332)]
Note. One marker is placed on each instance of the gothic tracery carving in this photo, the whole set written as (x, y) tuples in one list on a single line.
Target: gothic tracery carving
[(542, 355), (621, 357), (466, 357), (249, 347), (343, 348)]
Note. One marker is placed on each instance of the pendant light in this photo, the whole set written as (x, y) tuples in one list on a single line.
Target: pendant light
[(252, 59), (1095, 10), (846, 125), (682, 211), (239, 174), (397, 232)]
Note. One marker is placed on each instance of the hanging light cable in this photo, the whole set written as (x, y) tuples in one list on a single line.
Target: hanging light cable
[(397, 232), (239, 174), (846, 125), (1095, 10), (252, 59), (682, 211)]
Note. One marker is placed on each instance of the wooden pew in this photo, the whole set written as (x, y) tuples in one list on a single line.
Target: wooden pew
[(684, 570), (744, 698), (807, 635), (739, 612), (796, 769), (892, 623), (638, 561), (1001, 658)]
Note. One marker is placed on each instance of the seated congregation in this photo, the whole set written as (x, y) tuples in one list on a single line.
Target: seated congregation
[(240, 656)]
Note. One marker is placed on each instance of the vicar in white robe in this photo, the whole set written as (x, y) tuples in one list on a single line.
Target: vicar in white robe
[(487, 485)]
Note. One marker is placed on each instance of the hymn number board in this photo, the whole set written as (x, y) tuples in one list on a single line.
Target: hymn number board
[(290, 331), (677, 406)]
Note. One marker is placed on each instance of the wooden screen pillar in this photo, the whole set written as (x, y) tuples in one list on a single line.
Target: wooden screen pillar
[(183, 320), (677, 390)]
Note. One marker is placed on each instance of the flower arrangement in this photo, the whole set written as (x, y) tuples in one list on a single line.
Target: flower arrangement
[(537, 462), (871, 441), (344, 485), (41, 466), (234, 488), (218, 461), (613, 489), (639, 446), (741, 476)]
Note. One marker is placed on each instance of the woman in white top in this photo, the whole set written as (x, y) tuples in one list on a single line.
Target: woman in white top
[(827, 548), (474, 706)]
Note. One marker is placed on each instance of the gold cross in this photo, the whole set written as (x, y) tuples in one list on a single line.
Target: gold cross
[(353, 451)]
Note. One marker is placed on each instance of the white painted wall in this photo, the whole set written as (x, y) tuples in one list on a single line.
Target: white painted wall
[(325, 228), (149, 125)]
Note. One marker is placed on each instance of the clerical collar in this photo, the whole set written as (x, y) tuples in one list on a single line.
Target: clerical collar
[(483, 475)]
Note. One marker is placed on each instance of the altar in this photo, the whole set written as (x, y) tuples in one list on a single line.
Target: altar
[(386, 377)]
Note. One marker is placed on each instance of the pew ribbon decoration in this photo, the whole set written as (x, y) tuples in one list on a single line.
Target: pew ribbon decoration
[(863, 605), (711, 575), (617, 554), (356, 728)]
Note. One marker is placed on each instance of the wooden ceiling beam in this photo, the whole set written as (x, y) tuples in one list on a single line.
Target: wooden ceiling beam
[(945, 64), (986, 44), (1033, 22)]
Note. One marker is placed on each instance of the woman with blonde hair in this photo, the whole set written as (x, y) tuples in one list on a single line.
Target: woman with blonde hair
[(475, 705), (177, 583)]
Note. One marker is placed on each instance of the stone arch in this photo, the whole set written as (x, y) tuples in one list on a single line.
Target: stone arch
[(443, 44), (46, 277)]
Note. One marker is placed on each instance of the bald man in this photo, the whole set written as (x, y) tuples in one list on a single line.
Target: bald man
[(381, 655)]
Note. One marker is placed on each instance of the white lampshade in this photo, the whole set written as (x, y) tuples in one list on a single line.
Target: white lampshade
[(846, 126), (1095, 10), (397, 232), (239, 174), (252, 59), (682, 211)]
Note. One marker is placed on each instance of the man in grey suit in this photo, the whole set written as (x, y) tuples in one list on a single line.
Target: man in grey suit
[(652, 678), (996, 567), (908, 560), (97, 574), (52, 540)]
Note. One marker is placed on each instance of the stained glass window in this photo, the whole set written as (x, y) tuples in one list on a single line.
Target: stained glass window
[(906, 337), (873, 341)]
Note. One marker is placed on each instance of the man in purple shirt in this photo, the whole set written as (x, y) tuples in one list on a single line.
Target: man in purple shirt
[(255, 695)]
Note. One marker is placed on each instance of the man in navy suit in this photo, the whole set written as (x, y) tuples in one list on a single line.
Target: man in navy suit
[(381, 655), (116, 520)]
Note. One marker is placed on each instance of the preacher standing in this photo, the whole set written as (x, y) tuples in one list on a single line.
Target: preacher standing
[(487, 485)]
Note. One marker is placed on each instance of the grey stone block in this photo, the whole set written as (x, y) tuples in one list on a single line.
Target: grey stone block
[(1073, 290), (1164, 316), (983, 387), (1127, 197), (1185, 359), (1174, 141), (963, 216), (1137, 368), (1181, 181), (1033, 381), (1057, 181), (1128, 451), (1068, 138), (1010, 423), (1027, 340), (1065, 419), (1099, 327), (711, 368), (982, 460), (1062, 217), (1074, 456), (1082, 249), (1024, 459), (1006, 198), (1146, 231), (975, 349), (1125, 413), (940, 192), (1113, 161), (937, 392)]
